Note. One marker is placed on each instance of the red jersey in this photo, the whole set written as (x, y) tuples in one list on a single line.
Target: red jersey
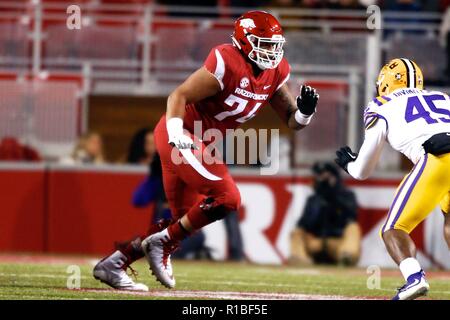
[(241, 96)]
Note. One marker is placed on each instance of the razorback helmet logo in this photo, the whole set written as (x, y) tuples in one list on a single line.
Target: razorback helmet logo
[(259, 36), (247, 23)]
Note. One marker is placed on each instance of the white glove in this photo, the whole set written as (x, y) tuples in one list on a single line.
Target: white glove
[(176, 136)]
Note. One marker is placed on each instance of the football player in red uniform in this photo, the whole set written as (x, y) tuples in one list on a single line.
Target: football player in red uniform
[(235, 82)]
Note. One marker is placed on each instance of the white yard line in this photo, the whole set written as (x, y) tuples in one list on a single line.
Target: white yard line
[(312, 272), (240, 283), (210, 294), (228, 295)]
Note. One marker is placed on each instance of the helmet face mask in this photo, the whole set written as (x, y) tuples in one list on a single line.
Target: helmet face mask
[(259, 37), (266, 53), (379, 82)]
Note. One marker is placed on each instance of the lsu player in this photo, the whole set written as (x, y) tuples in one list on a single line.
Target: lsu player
[(235, 82), (416, 123)]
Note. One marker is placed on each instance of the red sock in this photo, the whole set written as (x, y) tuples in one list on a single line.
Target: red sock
[(198, 218), (177, 232), (132, 249)]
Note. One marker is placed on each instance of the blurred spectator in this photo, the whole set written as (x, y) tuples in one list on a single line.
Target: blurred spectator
[(234, 236), (12, 150), (402, 5), (445, 4), (250, 3), (189, 13), (329, 4), (435, 5), (445, 37), (283, 3), (202, 3), (367, 3), (327, 232), (151, 190), (411, 23), (311, 3), (345, 5), (430, 5), (142, 147), (89, 150)]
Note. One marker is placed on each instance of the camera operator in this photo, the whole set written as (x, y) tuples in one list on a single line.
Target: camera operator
[(327, 232)]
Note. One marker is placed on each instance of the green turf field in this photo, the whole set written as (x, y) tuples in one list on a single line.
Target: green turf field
[(45, 278)]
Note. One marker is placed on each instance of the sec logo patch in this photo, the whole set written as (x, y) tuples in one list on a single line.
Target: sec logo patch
[(244, 82)]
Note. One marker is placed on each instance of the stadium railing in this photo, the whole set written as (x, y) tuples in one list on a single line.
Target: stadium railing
[(148, 49), (45, 112)]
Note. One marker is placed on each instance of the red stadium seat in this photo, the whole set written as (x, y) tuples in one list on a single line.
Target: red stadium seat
[(12, 150)]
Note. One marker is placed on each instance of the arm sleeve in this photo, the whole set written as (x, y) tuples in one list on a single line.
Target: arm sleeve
[(370, 152)]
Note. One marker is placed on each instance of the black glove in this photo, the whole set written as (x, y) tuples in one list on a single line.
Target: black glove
[(344, 156), (307, 100)]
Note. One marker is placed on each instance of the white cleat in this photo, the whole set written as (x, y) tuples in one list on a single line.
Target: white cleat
[(157, 248), (416, 286), (111, 271)]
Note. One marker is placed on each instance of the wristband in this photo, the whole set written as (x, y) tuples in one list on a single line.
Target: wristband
[(302, 119), (174, 127)]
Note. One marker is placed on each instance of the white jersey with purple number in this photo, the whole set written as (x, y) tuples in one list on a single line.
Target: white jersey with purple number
[(411, 117)]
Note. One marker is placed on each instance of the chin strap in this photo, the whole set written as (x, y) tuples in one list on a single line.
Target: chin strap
[(236, 43)]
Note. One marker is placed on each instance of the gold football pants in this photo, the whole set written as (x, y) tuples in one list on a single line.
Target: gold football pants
[(422, 190)]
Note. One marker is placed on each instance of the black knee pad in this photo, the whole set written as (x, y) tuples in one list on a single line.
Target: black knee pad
[(213, 211)]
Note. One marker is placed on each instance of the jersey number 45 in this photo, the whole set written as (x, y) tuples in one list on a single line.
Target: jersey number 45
[(416, 110)]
